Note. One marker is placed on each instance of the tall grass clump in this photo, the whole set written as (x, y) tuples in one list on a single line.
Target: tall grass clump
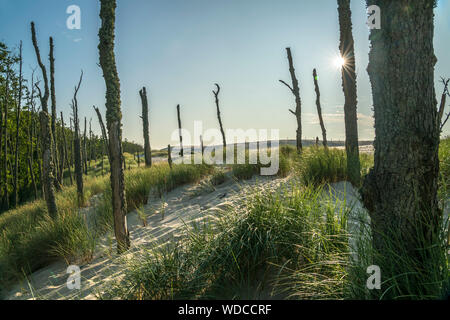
[(319, 165), (250, 252)]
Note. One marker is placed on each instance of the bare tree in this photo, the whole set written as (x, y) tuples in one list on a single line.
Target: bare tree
[(66, 155), (113, 120), (347, 51), (219, 118), (84, 151), (46, 133), (441, 123), (169, 156), (54, 116), (5, 155), (18, 110), (319, 108), (295, 89), (180, 131), (147, 148), (77, 144)]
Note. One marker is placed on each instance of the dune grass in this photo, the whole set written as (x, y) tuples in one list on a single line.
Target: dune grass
[(30, 239), (320, 165), (249, 252)]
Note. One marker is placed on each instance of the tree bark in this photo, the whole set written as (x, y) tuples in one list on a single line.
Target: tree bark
[(347, 52), (400, 192), (147, 148), (295, 89), (113, 120), (319, 108), (169, 156), (53, 120)]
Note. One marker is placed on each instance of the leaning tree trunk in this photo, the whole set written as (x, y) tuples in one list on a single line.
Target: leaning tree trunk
[(77, 145), (147, 148), (113, 120), (104, 134), (400, 192), (180, 131), (46, 139), (295, 89), (319, 108), (219, 118), (347, 52)]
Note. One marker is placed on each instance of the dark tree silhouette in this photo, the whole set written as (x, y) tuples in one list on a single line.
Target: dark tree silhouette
[(219, 118), (77, 144), (319, 108), (147, 148)]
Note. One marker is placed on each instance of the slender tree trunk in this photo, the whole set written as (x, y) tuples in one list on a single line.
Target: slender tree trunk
[(295, 89), (5, 150), (47, 152), (169, 156), (202, 147), (84, 152), (54, 115), (66, 155), (319, 108), (104, 134), (347, 51), (77, 145), (31, 138), (147, 148), (180, 131), (400, 192), (16, 159), (113, 120), (216, 96)]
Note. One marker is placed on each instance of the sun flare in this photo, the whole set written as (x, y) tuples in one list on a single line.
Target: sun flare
[(339, 62)]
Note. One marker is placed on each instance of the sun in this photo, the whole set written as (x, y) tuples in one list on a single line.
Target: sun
[(339, 62)]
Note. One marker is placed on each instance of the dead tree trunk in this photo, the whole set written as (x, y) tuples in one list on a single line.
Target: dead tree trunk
[(180, 131), (347, 52), (54, 116), (147, 148), (400, 191), (77, 145), (31, 114), (169, 156), (5, 150), (216, 95), (66, 155), (295, 89), (84, 151), (319, 108), (16, 159), (104, 134), (441, 123), (202, 147), (47, 144), (113, 120)]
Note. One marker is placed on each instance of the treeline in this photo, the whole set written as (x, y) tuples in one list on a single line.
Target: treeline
[(21, 163)]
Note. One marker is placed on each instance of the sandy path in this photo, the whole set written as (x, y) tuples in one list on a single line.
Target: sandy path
[(182, 207)]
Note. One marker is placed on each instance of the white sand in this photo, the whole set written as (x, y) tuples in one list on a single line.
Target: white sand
[(182, 207)]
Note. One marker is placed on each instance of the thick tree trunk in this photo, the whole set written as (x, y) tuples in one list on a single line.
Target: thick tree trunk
[(295, 89), (400, 192), (219, 118), (319, 108), (147, 148), (113, 120), (47, 152), (347, 52)]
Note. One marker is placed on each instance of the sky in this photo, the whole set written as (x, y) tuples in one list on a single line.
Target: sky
[(178, 50)]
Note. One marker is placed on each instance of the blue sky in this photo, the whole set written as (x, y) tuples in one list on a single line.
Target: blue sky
[(178, 49)]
